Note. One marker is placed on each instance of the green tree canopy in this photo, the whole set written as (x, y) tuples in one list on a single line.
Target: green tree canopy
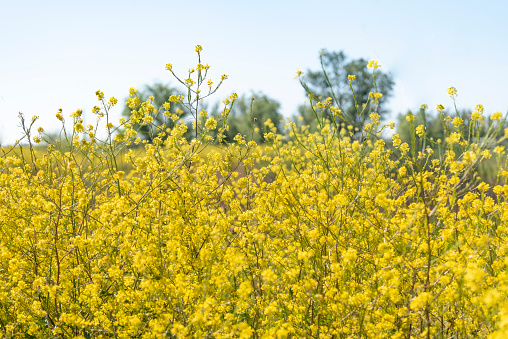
[(248, 116), (160, 93), (332, 81)]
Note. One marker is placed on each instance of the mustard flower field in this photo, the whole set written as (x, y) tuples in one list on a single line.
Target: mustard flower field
[(326, 233)]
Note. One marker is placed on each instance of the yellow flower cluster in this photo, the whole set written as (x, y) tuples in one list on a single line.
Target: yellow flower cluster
[(318, 235)]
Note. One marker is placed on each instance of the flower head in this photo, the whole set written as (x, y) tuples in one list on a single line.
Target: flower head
[(496, 116), (99, 94), (373, 63), (420, 130), (211, 123), (452, 92)]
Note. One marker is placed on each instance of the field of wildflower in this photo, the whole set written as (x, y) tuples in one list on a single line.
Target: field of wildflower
[(330, 234)]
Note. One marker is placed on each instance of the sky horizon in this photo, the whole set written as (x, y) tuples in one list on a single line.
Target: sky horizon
[(56, 54)]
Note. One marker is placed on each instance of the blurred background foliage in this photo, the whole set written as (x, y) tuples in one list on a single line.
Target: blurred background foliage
[(249, 115)]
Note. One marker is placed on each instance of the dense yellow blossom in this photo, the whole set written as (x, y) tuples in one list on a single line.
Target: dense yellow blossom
[(310, 235)]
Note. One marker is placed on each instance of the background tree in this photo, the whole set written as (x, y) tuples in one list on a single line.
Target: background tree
[(161, 93), (251, 124), (332, 81)]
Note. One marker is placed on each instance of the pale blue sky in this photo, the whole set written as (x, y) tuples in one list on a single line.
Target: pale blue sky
[(58, 53)]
